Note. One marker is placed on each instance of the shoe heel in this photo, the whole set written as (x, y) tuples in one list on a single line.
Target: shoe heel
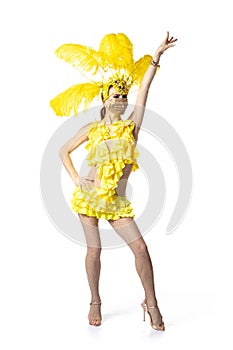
[(146, 308), (144, 312)]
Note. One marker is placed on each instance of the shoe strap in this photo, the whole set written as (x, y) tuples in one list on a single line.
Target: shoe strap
[(95, 303), (150, 307)]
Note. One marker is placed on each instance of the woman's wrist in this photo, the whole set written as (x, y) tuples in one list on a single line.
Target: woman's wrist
[(156, 56), (75, 178)]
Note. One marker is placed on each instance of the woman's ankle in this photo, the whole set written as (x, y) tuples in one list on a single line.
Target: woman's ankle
[(96, 300), (151, 301)]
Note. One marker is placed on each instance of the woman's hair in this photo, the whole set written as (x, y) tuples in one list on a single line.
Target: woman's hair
[(102, 112), (103, 109)]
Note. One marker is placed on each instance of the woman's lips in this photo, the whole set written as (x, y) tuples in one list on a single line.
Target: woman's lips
[(119, 105)]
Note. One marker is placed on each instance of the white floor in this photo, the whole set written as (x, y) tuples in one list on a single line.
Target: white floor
[(45, 299)]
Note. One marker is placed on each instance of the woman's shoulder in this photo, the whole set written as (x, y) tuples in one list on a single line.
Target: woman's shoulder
[(92, 125), (85, 128)]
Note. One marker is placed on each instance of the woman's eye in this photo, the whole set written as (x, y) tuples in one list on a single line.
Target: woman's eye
[(116, 96), (124, 96)]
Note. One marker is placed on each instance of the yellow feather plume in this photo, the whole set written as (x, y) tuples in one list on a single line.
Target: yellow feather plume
[(81, 57), (113, 60), (116, 51), (67, 102)]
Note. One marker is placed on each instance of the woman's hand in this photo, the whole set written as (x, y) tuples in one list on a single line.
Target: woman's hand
[(165, 44), (83, 181)]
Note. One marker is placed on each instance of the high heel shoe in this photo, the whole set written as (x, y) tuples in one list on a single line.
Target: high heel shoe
[(145, 307), (95, 319)]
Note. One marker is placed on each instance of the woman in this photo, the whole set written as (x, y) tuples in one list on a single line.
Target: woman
[(101, 194)]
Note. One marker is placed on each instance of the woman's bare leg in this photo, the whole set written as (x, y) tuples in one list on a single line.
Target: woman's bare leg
[(128, 230), (93, 265)]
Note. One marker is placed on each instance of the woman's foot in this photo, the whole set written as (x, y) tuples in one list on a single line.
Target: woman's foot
[(94, 315), (156, 319)]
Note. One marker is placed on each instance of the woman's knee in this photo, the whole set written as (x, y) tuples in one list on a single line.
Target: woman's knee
[(93, 252), (139, 247)]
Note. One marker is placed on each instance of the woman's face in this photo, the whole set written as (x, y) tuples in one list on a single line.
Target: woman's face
[(116, 103)]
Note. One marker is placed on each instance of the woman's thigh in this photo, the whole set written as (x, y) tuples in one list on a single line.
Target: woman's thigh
[(90, 226), (127, 229)]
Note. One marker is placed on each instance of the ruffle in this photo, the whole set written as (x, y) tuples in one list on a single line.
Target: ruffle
[(109, 175), (98, 132), (110, 160), (121, 146), (121, 149), (88, 202)]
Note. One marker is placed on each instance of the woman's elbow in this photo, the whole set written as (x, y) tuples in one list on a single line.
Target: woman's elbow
[(63, 153)]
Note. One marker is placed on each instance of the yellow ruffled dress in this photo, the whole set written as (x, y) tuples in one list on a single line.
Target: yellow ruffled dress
[(103, 202)]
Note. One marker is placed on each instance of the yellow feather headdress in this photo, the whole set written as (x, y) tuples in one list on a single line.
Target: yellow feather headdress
[(113, 62)]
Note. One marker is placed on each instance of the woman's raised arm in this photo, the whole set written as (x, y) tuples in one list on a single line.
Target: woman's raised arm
[(148, 77)]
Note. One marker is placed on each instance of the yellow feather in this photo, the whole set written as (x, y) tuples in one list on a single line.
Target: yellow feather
[(115, 56), (140, 68), (67, 102), (80, 56), (116, 50)]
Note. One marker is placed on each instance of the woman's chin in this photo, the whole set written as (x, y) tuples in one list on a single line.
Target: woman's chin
[(119, 110)]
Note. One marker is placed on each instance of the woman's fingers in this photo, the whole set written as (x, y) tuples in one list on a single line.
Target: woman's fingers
[(166, 44), (85, 182), (171, 40), (166, 39)]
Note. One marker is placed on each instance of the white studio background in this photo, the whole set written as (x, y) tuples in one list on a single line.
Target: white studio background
[(44, 292)]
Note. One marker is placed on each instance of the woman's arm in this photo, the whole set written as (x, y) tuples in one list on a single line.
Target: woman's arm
[(70, 146), (148, 77)]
